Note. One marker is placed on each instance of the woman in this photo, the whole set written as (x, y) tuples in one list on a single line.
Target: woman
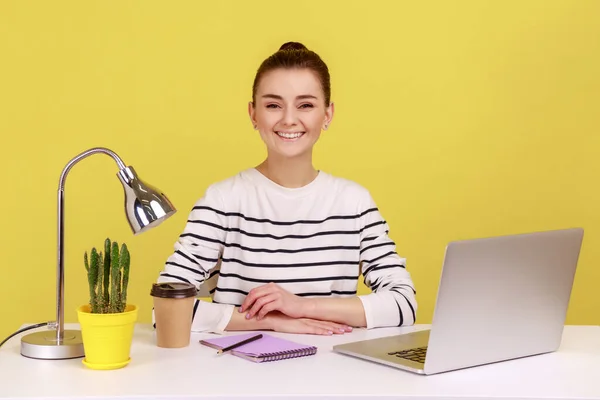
[(281, 246)]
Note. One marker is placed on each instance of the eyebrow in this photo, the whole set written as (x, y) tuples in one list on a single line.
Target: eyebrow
[(301, 97)]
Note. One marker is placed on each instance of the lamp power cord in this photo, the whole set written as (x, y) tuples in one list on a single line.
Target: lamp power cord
[(51, 325)]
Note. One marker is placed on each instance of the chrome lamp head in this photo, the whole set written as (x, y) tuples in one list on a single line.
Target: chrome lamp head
[(145, 207)]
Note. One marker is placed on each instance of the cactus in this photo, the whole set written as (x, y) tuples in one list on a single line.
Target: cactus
[(106, 269), (100, 294), (93, 279), (115, 282), (124, 263), (108, 278)]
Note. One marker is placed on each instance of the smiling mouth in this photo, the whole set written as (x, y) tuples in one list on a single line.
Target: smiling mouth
[(289, 136)]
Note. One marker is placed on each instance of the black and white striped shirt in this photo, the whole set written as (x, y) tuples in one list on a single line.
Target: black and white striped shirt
[(313, 241)]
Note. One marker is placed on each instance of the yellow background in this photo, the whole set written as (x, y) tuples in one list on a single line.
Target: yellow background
[(463, 118)]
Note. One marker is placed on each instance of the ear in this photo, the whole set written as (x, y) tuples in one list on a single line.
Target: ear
[(251, 114), (328, 116)]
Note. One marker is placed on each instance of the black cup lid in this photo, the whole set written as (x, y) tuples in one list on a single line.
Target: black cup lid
[(173, 290)]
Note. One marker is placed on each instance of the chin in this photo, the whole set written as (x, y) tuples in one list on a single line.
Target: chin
[(291, 153)]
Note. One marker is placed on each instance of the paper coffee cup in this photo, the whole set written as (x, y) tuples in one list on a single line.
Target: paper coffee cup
[(173, 308)]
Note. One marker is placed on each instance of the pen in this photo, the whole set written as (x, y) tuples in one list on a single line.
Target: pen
[(233, 346)]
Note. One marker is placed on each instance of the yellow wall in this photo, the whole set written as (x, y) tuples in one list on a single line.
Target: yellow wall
[(463, 118)]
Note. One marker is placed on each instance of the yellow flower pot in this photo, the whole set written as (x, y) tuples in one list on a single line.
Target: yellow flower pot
[(107, 337)]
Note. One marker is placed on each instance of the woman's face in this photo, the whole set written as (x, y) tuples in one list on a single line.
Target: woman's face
[(290, 111)]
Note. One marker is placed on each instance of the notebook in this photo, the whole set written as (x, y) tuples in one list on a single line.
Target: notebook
[(267, 348)]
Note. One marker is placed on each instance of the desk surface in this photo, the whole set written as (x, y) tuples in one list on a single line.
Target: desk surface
[(196, 372)]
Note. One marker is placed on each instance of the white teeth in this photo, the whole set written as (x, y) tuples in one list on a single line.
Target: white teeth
[(290, 135)]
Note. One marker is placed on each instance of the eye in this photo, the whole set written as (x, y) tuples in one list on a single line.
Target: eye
[(306, 105), (272, 105)]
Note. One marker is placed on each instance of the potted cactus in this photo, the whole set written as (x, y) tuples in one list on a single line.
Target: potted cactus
[(107, 321)]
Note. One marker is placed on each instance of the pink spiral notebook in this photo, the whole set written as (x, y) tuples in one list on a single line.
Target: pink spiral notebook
[(267, 348)]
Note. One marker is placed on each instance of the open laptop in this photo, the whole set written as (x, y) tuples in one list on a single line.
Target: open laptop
[(499, 298)]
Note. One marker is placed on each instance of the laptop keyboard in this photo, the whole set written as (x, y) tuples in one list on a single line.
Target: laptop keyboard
[(416, 354)]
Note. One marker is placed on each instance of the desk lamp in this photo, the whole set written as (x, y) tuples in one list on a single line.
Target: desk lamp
[(145, 207)]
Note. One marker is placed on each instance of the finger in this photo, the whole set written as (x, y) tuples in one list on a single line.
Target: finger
[(259, 303), (320, 331), (250, 299), (342, 328), (253, 295), (315, 330), (329, 326), (267, 308)]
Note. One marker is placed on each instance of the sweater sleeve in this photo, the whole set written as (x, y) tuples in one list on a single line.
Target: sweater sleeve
[(196, 254), (392, 301)]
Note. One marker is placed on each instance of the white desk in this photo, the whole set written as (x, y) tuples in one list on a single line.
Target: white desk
[(196, 372)]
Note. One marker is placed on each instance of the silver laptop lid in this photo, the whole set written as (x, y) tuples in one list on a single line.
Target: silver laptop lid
[(502, 298)]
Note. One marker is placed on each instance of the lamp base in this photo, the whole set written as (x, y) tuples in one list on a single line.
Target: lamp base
[(43, 345)]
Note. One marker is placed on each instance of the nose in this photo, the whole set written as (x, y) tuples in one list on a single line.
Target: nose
[(289, 116)]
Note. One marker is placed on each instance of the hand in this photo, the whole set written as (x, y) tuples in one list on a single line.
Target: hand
[(279, 322), (271, 297)]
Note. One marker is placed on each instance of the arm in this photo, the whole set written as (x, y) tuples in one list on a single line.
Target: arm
[(238, 322), (279, 322), (263, 300), (392, 301), (349, 311), (200, 245), (196, 254)]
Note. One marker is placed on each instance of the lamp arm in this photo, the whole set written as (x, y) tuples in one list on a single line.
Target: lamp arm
[(60, 273), (87, 153)]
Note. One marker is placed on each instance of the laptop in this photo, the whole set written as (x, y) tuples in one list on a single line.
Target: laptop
[(499, 299)]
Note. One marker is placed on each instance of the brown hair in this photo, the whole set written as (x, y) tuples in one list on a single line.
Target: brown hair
[(295, 55)]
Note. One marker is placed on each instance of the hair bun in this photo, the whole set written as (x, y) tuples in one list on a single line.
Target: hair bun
[(293, 46)]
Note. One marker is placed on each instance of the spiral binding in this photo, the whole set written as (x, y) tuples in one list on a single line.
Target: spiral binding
[(282, 355)]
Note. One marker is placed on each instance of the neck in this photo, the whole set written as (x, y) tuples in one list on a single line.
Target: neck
[(290, 173)]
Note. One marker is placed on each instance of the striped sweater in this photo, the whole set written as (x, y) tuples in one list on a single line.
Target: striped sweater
[(313, 241)]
